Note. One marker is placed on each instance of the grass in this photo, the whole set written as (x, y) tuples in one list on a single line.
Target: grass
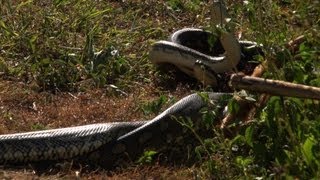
[(50, 78)]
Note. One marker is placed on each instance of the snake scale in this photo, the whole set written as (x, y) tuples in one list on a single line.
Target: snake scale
[(102, 143)]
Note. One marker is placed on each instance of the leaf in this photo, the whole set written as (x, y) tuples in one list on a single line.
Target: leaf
[(199, 150), (238, 139), (97, 13), (275, 104), (233, 106), (146, 157), (244, 161), (249, 136), (32, 44), (3, 25), (307, 150), (208, 118)]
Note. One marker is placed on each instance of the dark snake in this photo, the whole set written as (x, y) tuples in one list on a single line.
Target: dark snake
[(102, 143)]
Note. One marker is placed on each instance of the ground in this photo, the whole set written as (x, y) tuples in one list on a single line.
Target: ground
[(47, 80)]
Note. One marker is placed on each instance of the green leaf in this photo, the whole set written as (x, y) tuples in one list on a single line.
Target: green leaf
[(32, 44), (238, 139), (97, 13), (249, 136), (3, 25), (307, 150), (233, 106), (147, 157), (244, 161)]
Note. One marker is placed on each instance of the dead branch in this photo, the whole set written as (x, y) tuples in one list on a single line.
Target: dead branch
[(274, 87)]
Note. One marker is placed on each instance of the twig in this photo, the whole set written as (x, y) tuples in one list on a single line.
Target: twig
[(75, 97), (293, 45)]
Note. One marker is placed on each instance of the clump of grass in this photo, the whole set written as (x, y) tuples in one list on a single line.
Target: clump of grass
[(54, 43)]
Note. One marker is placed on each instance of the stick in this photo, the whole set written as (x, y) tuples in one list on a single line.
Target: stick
[(274, 87), (263, 99)]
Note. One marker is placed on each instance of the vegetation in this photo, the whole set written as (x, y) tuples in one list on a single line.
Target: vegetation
[(61, 47)]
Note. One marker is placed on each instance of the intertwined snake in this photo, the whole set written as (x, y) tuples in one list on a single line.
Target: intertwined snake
[(102, 143)]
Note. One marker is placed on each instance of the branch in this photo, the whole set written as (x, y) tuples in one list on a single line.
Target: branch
[(274, 87)]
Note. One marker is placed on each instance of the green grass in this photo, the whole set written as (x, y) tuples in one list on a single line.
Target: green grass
[(50, 45)]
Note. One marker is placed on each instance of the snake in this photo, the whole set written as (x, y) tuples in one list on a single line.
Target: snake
[(103, 143)]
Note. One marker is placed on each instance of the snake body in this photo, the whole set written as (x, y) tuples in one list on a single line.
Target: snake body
[(61, 143), (102, 143), (189, 50)]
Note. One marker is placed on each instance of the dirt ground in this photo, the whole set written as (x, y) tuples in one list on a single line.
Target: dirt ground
[(25, 109)]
